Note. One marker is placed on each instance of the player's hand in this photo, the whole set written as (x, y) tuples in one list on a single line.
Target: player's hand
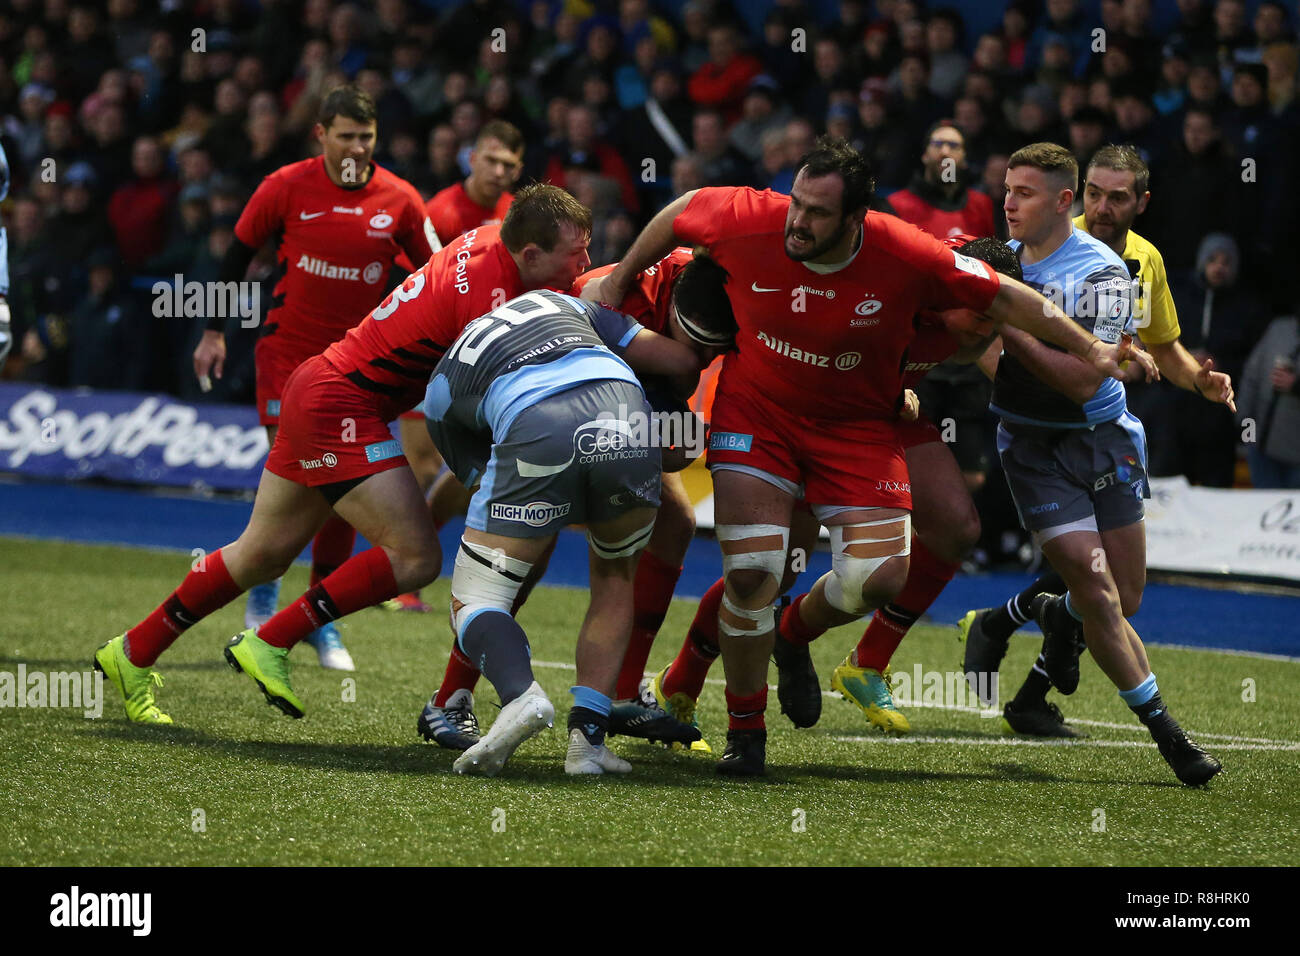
[(911, 409), (1107, 358), (1216, 386), (209, 358), (603, 292)]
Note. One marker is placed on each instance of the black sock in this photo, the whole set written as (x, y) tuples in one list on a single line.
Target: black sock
[(1003, 621), (496, 644), (1156, 716), (592, 724), (1034, 690)]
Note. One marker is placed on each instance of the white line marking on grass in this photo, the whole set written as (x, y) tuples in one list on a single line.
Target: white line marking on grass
[(1234, 742), (1022, 742)]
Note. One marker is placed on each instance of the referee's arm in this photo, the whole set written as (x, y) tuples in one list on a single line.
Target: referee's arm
[(1174, 361)]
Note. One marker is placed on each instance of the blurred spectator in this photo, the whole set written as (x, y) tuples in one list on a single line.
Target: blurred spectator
[(441, 169), (1221, 319), (187, 234), (799, 137), (1065, 20), (914, 105), (1087, 130), (720, 163), (723, 80), (883, 142), (686, 175), (663, 125), (1198, 185), (1016, 21), (943, 36), (763, 109), (107, 323), (1269, 395), (937, 198), (582, 150), (1232, 38), (138, 210), (829, 75), (779, 59), (80, 225)]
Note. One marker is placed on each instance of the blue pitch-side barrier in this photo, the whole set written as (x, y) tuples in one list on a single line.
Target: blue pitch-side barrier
[(1171, 614)]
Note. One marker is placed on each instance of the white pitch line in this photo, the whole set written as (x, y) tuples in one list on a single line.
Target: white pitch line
[(1245, 743), (1022, 742)]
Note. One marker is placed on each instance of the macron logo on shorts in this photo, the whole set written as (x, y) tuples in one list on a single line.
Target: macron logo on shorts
[(381, 450), (730, 441)]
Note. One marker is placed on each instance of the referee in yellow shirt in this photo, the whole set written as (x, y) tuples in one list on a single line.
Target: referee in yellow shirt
[(1114, 194)]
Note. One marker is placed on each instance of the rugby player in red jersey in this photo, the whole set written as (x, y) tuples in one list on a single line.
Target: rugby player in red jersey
[(946, 527), (338, 222), (333, 450), (805, 404), (482, 199), (449, 719)]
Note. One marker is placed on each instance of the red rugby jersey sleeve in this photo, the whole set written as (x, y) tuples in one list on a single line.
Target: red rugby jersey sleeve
[(712, 214), (949, 280), (416, 235), (263, 216)]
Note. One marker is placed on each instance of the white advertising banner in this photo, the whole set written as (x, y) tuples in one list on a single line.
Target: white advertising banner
[(1223, 531)]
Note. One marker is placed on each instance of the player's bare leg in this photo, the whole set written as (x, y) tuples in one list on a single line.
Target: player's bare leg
[(752, 519), (1094, 597), (426, 463), (945, 527), (285, 516), (388, 509)]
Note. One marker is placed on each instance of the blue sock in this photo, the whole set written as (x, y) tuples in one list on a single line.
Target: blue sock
[(1142, 693), (263, 602), (590, 713), (1069, 606)]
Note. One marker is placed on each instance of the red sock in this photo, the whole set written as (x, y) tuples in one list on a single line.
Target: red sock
[(204, 590), (746, 713), (331, 547), (927, 576), (359, 582), (700, 649), (460, 675), (793, 628), (652, 593)]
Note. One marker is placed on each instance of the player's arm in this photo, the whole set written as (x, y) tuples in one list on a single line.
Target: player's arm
[(1178, 365), (1017, 306), (210, 354), (657, 239), (1073, 377), (650, 353)]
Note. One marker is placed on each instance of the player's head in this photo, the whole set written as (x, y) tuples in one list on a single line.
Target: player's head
[(496, 160), (701, 315), (827, 202), (1114, 192), (944, 153), (547, 232), (996, 253), (346, 130), (1041, 181)]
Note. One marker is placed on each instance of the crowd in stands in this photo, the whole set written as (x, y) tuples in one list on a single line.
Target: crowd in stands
[(137, 129)]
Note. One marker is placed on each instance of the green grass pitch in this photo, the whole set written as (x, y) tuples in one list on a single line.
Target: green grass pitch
[(235, 782)]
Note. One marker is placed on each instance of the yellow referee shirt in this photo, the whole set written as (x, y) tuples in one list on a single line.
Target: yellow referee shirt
[(1153, 306)]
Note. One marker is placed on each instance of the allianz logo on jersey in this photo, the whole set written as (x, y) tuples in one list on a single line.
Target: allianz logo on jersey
[(328, 270), (535, 514), (350, 210), (843, 361)]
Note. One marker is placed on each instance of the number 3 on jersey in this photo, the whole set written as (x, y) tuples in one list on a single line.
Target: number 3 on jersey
[(400, 295)]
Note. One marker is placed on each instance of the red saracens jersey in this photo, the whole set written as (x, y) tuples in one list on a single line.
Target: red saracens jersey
[(335, 247), (452, 212), (827, 342), (649, 300), (393, 351), (939, 335)]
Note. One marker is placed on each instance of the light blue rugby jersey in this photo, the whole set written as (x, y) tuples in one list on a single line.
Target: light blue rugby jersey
[(1090, 283)]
